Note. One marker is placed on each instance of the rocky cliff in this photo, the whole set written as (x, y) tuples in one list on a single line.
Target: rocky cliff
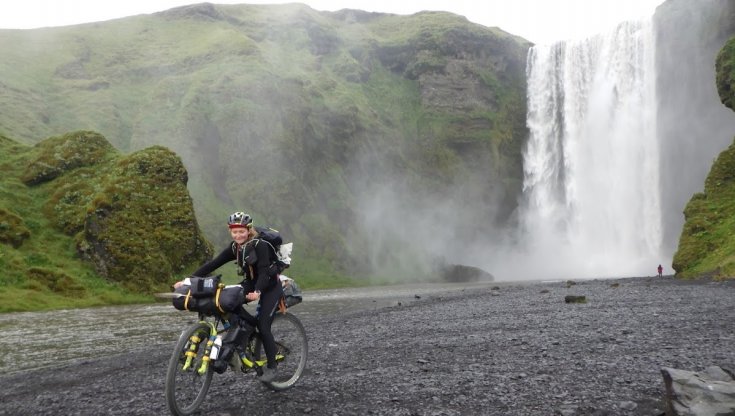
[(325, 125), (693, 126), (130, 216), (707, 244)]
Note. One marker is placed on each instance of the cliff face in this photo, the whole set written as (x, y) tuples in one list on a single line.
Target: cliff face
[(707, 243), (324, 125), (693, 127), (130, 216)]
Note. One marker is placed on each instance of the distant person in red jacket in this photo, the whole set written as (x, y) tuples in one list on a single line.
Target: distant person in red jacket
[(660, 271)]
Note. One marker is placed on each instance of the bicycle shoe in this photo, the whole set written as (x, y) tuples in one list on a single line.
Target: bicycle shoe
[(269, 374)]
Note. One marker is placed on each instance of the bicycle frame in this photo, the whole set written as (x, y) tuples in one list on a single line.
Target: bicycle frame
[(195, 341)]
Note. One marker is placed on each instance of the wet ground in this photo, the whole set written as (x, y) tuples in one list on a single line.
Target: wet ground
[(33, 340), (510, 350)]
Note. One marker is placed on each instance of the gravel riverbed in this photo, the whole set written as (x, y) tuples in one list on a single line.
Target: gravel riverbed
[(514, 349)]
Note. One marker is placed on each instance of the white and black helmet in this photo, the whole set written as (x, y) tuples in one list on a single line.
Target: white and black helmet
[(239, 219)]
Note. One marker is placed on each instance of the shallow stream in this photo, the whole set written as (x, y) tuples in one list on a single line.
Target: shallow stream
[(32, 340)]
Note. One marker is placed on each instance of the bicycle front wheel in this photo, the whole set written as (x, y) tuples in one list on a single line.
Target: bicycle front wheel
[(185, 386), (291, 350)]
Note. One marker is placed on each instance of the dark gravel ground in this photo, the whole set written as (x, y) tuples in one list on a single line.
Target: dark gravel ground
[(518, 349)]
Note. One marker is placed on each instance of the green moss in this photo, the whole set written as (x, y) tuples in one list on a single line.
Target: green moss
[(725, 74), (707, 244), (140, 228), (98, 228), (55, 280), (12, 229), (57, 155)]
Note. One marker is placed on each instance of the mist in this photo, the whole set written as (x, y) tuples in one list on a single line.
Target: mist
[(414, 231)]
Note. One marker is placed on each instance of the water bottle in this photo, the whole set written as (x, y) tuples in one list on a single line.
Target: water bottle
[(215, 348)]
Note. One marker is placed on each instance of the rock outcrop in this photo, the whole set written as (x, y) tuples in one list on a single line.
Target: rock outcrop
[(707, 393)]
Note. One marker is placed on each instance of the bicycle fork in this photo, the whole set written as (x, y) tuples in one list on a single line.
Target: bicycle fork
[(193, 347)]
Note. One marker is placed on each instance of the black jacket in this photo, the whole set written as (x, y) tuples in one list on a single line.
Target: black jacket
[(255, 260)]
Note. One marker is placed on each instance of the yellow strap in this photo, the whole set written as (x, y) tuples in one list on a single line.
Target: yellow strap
[(282, 305), (186, 301), (216, 298)]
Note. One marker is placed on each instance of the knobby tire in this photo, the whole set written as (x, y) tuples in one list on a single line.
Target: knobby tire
[(185, 390), (291, 342)]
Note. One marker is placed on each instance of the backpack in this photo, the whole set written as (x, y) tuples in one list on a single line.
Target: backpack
[(272, 236), (274, 239)]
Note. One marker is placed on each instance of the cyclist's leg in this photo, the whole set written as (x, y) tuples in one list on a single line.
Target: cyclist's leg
[(266, 310), (291, 350)]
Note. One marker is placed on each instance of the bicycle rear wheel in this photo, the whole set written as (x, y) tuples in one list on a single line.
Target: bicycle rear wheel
[(291, 350), (185, 387)]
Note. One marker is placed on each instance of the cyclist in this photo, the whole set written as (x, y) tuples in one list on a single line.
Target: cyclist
[(256, 262)]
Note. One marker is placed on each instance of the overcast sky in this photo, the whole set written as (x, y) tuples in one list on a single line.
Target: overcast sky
[(540, 21)]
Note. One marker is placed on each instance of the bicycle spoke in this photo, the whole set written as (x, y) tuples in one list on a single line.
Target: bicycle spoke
[(185, 387)]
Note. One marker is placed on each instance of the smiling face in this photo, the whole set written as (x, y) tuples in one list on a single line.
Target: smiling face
[(239, 234)]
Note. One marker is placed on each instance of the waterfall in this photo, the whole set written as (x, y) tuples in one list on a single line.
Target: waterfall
[(592, 204)]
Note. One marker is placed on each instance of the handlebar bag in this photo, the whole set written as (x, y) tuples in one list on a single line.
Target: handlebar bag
[(204, 287)]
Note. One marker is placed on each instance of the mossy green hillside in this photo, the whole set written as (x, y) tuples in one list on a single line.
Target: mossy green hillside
[(83, 225), (291, 114), (707, 242)]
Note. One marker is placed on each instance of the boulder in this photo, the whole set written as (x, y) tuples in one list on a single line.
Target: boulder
[(707, 393), (575, 299)]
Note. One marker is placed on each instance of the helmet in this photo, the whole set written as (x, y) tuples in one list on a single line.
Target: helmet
[(239, 219)]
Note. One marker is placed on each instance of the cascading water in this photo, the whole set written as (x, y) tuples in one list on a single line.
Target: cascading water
[(592, 194)]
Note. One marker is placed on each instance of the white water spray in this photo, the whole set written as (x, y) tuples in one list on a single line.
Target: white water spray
[(592, 200)]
